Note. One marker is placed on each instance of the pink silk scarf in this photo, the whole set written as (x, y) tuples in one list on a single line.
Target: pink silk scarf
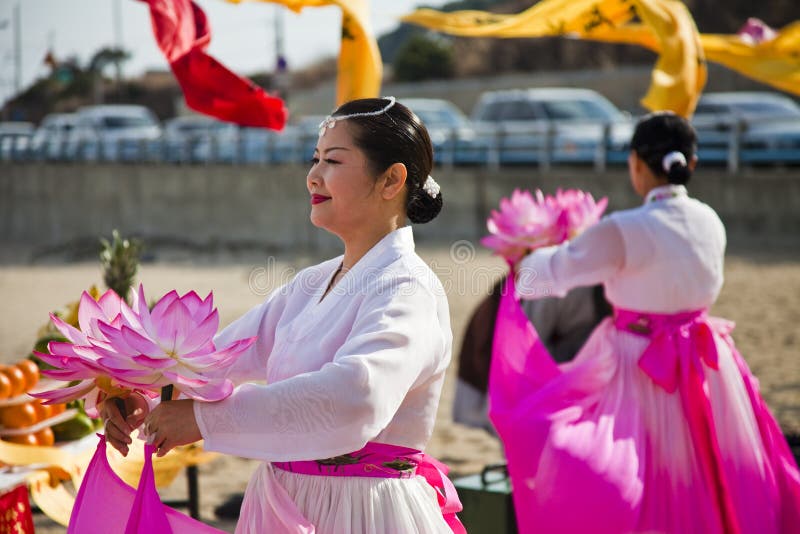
[(523, 381), (382, 460), (107, 504)]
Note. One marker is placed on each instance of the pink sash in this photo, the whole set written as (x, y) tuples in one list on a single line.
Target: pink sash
[(382, 460), (107, 504), (680, 344), (529, 394)]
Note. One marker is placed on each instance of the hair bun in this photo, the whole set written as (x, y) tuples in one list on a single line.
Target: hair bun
[(671, 159), (422, 207)]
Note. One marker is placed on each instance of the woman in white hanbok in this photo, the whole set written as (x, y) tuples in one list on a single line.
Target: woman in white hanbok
[(350, 357)]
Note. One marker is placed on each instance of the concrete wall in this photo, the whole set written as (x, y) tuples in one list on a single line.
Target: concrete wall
[(44, 206)]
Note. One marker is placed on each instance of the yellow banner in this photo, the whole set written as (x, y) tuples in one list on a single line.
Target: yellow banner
[(775, 62), (667, 28), (360, 66)]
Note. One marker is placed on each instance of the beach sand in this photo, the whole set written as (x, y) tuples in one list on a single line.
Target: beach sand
[(761, 293)]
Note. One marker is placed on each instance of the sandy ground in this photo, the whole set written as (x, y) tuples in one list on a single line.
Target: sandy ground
[(762, 294)]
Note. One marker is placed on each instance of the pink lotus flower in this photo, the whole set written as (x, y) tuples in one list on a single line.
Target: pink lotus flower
[(77, 358), (121, 348), (526, 222), (581, 210)]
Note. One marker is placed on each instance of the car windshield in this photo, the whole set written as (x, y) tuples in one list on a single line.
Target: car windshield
[(125, 121), (441, 117), (193, 128), (766, 107), (579, 109)]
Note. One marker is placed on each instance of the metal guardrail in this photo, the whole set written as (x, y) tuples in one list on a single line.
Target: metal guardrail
[(542, 145)]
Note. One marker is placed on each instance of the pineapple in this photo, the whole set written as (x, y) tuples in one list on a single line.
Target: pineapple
[(120, 260)]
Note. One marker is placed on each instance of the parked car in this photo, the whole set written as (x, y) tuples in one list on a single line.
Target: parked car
[(52, 136), (556, 124), (751, 126), (15, 137), (451, 132), (198, 138), (115, 133)]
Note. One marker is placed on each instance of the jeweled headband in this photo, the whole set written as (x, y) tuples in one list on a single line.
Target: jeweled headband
[(330, 120)]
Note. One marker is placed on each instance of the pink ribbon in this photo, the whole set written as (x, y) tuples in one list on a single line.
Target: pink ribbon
[(383, 460), (689, 335), (680, 344)]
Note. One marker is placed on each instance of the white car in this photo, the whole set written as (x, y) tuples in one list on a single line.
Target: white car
[(451, 132), (15, 138), (115, 133), (764, 125), (198, 138), (53, 134), (560, 124)]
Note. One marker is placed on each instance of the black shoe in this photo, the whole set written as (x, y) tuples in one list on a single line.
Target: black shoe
[(230, 508)]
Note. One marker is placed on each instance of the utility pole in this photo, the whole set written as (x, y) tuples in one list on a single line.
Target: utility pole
[(17, 49), (281, 72), (116, 13)]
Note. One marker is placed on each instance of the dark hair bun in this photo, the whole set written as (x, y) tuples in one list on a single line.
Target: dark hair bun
[(678, 174), (659, 134), (422, 207)]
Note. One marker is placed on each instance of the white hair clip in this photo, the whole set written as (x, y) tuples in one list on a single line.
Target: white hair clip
[(673, 157), (431, 187), (330, 120)]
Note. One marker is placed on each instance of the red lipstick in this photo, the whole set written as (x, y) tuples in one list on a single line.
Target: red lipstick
[(317, 199)]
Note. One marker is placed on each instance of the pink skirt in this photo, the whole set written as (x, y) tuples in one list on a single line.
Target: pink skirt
[(599, 445)]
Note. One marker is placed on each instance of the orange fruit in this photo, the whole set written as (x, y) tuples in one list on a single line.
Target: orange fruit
[(24, 439), (18, 416), (45, 437), (56, 409), (42, 412), (5, 387), (17, 379), (31, 372)]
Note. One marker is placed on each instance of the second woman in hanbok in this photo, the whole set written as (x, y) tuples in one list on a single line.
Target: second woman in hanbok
[(657, 426)]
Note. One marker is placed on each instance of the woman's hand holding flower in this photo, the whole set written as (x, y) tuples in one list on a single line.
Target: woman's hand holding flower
[(171, 424), (119, 425)]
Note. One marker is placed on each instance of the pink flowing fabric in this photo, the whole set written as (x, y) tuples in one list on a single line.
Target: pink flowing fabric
[(383, 460), (107, 504), (656, 426)]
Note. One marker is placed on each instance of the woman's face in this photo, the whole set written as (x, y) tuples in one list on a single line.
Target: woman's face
[(343, 192)]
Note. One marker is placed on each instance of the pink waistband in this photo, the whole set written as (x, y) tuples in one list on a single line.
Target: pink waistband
[(648, 324), (382, 460), (678, 341)]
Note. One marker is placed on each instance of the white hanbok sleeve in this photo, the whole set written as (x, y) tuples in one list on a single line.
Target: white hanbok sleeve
[(260, 322), (591, 258), (395, 343)]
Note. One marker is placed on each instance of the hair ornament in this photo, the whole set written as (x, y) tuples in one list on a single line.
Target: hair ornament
[(330, 120), (431, 187), (671, 158)]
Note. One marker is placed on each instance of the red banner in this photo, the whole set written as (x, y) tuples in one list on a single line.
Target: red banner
[(183, 34)]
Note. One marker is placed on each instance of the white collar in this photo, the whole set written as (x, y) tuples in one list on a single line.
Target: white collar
[(664, 192)]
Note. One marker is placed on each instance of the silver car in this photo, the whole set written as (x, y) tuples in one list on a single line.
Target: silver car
[(755, 127), (198, 138), (52, 136), (116, 133), (451, 132), (554, 124)]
